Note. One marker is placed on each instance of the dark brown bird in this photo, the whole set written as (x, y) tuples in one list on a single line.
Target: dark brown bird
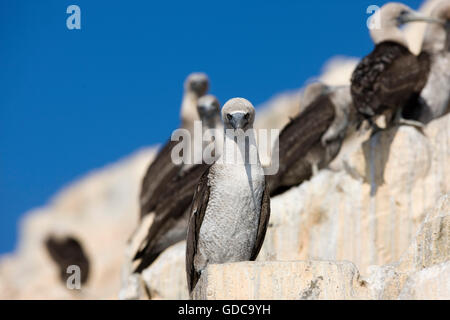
[(172, 198), (314, 137), (390, 77), (171, 218), (163, 169), (67, 251)]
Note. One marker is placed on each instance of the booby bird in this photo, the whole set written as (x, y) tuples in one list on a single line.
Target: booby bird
[(314, 137), (231, 207), (67, 251), (162, 168), (434, 100), (312, 91), (171, 210), (196, 85), (212, 128), (390, 76)]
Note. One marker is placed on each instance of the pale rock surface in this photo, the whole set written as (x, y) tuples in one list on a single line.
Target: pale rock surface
[(100, 210), (432, 283), (166, 278), (423, 270), (422, 273), (291, 280), (368, 211)]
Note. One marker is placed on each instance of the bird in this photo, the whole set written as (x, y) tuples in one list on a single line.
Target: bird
[(434, 100), (390, 77), (312, 139), (209, 111), (196, 85), (162, 168), (171, 212), (67, 251), (312, 91), (231, 207)]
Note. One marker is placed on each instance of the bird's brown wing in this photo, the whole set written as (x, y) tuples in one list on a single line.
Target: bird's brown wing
[(161, 171), (197, 213), (386, 79), (264, 217), (417, 108), (299, 136), (403, 79), (170, 213)]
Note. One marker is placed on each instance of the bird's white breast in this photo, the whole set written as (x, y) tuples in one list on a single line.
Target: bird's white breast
[(229, 228), (437, 90)]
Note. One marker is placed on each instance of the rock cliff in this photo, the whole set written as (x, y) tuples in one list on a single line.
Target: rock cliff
[(375, 225)]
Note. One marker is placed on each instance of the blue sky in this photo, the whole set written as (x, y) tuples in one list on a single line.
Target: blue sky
[(75, 100)]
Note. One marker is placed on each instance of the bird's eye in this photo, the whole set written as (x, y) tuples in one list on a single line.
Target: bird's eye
[(229, 117), (403, 13), (247, 115)]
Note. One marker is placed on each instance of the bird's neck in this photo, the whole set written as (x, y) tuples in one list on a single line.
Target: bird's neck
[(189, 112), (212, 140), (436, 38), (211, 123), (239, 148), (389, 33)]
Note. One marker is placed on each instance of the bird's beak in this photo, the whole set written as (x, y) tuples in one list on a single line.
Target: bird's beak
[(199, 87), (239, 120), (417, 17), (201, 109), (326, 90), (207, 111)]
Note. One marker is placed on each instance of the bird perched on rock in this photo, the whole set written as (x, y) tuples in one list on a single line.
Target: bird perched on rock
[(162, 168), (434, 100), (65, 252), (196, 85), (171, 212), (166, 224), (390, 77), (313, 138), (212, 127), (231, 207)]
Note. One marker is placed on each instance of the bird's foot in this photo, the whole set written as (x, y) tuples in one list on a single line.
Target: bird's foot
[(375, 128), (413, 123), (315, 169), (399, 120)]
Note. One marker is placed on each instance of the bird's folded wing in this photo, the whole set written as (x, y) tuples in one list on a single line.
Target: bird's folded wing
[(263, 223), (198, 210), (161, 171), (302, 133), (404, 75), (172, 205)]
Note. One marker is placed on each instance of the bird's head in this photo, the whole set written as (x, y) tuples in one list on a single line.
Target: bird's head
[(197, 83), (390, 18), (313, 91), (208, 108), (442, 11), (437, 35), (238, 113)]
